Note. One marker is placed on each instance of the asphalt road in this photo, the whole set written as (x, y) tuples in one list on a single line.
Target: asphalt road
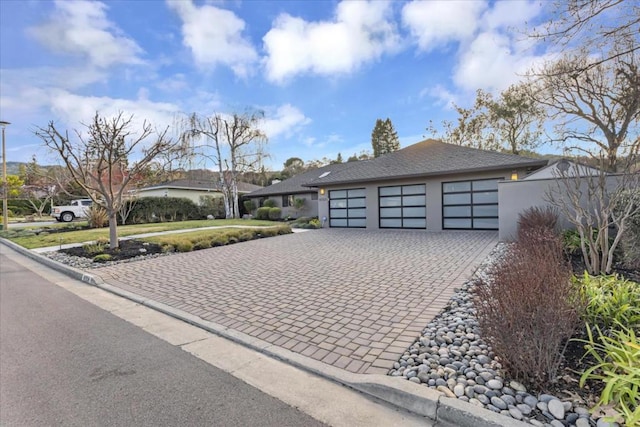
[(64, 361)]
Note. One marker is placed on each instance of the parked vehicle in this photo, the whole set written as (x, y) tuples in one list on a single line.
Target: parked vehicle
[(76, 209)]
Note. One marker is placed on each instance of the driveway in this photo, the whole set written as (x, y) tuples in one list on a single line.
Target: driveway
[(353, 299)]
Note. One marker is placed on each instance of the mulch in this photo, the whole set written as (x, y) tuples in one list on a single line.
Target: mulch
[(127, 249)]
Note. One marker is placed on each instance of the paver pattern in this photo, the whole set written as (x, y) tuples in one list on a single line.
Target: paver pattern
[(354, 299)]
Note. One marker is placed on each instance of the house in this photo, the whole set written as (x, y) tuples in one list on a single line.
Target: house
[(284, 193), (430, 185), (192, 189)]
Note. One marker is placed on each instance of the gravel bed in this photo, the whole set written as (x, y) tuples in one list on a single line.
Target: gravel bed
[(451, 357), (87, 263)]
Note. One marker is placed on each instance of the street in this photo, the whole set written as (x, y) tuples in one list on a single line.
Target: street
[(64, 361)]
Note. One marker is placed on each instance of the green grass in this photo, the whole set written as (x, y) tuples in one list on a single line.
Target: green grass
[(78, 236)]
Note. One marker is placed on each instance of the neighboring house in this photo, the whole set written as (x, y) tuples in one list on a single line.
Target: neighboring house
[(283, 193), (191, 189)]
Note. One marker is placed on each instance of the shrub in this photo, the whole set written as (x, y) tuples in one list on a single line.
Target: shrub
[(538, 218), (269, 203), (610, 300), (210, 205), (201, 244), (160, 209), (97, 217), (183, 246), (315, 223), (263, 213), (630, 241), (246, 235), (102, 258), (274, 213), (618, 367), (220, 240), (249, 206), (528, 307)]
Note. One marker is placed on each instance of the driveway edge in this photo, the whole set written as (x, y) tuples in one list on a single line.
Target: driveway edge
[(442, 410)]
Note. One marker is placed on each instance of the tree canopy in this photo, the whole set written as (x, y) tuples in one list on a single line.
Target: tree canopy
[(384, 138)]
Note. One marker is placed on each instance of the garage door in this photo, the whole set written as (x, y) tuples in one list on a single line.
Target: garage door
[(470, 205), (403, 206), (347, 208)]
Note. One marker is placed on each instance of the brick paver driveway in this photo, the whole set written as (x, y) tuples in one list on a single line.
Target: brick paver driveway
[(354, 299)]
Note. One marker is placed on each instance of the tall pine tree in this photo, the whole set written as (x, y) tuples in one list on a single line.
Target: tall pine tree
[(384, 138)]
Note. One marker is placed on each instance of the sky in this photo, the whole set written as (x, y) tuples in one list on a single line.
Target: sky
[(321, 71)]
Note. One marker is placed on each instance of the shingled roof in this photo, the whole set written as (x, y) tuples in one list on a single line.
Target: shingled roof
[(295, 184), (426, 158)]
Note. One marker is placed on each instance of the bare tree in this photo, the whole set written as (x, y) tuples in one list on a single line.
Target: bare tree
[(606, 29), (512, 122), (596, 111), (234, 143), (98, 159), (599, 206)]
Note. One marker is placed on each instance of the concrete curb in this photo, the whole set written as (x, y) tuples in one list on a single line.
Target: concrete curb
[(443, 411)]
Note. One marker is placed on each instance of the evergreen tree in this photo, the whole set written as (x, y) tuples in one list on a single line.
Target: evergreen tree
[(384, 138)]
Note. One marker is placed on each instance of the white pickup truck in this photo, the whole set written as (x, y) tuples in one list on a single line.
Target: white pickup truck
[(76, 209)]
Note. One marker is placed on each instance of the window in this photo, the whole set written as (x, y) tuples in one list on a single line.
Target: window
[(287, 200), (347, 208), (471, 205), (314, 196), (403, 206), (87, 203)]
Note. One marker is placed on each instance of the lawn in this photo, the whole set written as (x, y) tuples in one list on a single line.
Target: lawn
[(77, 236)]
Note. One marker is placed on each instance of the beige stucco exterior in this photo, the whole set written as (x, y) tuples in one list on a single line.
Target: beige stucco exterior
[(433, 195)]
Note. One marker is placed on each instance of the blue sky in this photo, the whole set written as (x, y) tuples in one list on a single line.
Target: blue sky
[(322, 71)]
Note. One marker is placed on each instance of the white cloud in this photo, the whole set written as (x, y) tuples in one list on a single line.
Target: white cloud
[(444, 97), (82, 28), (436, 23), (214, 36), (286, 120), (360, 32)]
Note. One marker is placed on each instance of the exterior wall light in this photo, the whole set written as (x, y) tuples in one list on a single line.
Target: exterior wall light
[(514, 176), (322, 191)]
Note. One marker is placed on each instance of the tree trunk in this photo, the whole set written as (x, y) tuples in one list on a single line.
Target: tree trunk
[(113, 230)]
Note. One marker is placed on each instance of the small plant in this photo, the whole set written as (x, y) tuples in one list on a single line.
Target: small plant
[(538, 218), (269, 203), (97, 217), (93, 248), (201, 244), (219, 240), (618, 367), (610, 300), (571, 242), (274, 213), (102, 258), (315, 223), (102, 241)]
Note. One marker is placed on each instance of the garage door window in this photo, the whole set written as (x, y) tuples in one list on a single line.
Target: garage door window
[(470, 204), (347, 208), (403, 206)]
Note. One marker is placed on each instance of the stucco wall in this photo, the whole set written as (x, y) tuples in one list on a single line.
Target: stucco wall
[(433, 191), (514, 197)]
